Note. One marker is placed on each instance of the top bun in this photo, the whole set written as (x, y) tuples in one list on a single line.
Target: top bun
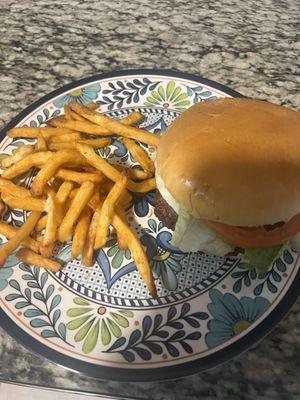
[(236, 161)]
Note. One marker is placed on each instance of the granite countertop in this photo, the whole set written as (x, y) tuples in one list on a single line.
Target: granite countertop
[(250, 46)]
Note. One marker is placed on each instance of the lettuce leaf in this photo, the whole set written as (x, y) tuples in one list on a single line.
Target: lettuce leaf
[(192, 235), (261, 259)]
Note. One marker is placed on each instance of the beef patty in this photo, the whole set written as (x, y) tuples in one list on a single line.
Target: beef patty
[(164, 212)]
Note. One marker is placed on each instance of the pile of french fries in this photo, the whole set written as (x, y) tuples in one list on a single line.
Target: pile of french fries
[(76, 194)]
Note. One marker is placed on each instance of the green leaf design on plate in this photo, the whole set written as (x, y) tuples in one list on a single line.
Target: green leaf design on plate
[(152, 100), (182, 103), (175, 93), (113, 327), (80, 301), (112, 251), (105, 334), (170, 88), (127, 313), (182, 96), (81, 334), (76, 323), (91, 340), (117, 260), (76, 312), (122, 321)]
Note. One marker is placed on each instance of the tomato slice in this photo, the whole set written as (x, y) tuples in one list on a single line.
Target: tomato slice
[(252, 238)]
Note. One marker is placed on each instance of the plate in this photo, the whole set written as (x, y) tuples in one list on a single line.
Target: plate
[(100, 320)]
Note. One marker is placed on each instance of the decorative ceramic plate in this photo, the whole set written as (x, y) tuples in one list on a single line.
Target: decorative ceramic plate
[(100, 320)]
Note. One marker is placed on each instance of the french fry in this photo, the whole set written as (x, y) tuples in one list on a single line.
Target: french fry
[(68, 112), (115, 126), (137, 174), (55, 120), (98, 162), (122, 240), (137, 252), (22, 233), (28, 203), (81, 199), (68, 137), (95, 143), (29, 257), (32, 160), (9, 231), (33, 132), (87, 256), (80, 233), (143, 186), (8, 187), (46, 251), (49, 169), (42, 222), (41, 143), (140, 156), (107, 211), (92, 106), (93, 129), (20, 153), (79, 177), (51, 225)]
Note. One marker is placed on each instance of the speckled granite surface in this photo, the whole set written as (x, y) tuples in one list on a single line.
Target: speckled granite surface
[(250, 46)]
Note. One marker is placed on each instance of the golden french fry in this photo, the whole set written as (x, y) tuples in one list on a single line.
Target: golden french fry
[(137, 252), (87, 256), (98, 162), (93, 129), (28, 203), (140, 155), (53, 121), (107, 211), (136, 174), (95, 143), (68, 112), (115, 126), (81, 232), (33, 132), (79, 177), (41, 144), (46, 251), (9, 231), (30, 257), (32, 160), (122, 240), (20, 153), (94, 201), (42, 222), (7, 248), (10, 188), (49, 169), (81, 199), (143, 186), (51, 225), (69, 137), (92, 106)]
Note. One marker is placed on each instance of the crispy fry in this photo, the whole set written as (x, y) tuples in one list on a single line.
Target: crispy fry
[(33, 132), (20, 153), (122, 240), (29, 257), (115, 126), (49, 169), (81, 199), (51, 225), (22, 233), (32, 160), (95, 143), (42, 222), (26, 203), (81, 232), (143, 186), (87, 256), (137, 252), (92, 106), (10, 231), (139, 155), (10, 188), (92, 129), (137, 174), (107, 211), (68, 137), (41, 143), (79, 177), (68, 112), (46, 251)]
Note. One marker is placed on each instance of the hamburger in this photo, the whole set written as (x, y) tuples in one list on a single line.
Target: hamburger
[(228, 176)]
